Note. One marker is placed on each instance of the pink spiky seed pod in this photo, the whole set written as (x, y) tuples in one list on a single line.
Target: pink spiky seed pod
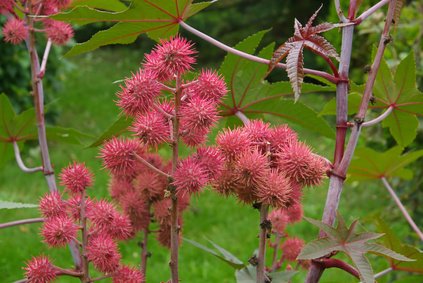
[(15, 31), (103, 252), (76, 178), (40, 270), (139, 92), (119, 156), (198, 113), (150, 184), (118, 187), (258, 133), (171, 58), (60, 3), (209, 85), (194, 137), (299, 163), (163, 235), (276, 190), (121, 228), (279, 219), (226, 183), (59, 32), (280, 137), (291, 248), (52, 205), (189, 178), (137, 209), (246, 194), (211, 160), (152, 128), (295, 212), (232, 143), (251, 168), (162, 210), (6, 6), (126, 274), (73, 206), (59, 231), (102, 215)]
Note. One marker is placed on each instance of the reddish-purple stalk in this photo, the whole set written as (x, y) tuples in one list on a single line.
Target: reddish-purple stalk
[(276, 245), (83, 222), (341, 164), (261, 264), (21, 222), (250, 57), (20, 162), (333, 262), (404, 211), (144, 246), (38, 96), (174, 228)]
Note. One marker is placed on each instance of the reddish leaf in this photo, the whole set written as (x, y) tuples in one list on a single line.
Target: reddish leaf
[(295, 68)]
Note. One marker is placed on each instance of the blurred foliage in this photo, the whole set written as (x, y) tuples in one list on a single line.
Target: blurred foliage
[(15, 73)]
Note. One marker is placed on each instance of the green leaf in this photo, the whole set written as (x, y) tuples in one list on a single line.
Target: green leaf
[(227, 255), (392, 242), (158, 19), (369, 164), (67, 135), (15, 127), (355, 245), (246, 275), (400, 92), (252, 95), (197, 7), (109, 5), (119, 127), (15, 205), (381, 250), (221, 254), (282, 276), (402, 126)]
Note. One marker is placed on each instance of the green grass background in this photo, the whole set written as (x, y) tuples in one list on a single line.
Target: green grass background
[(86, 103)]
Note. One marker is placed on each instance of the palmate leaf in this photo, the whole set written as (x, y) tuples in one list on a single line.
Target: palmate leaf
[(400, 92), (369, 164), (119, 127), (158, 19), (391, 241), (253, 96), (354, 245), (292, 49), (109, 5)]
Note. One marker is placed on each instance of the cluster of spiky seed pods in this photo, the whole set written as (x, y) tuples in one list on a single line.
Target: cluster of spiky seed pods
[(257, 163), (95, 224), (16, 30)]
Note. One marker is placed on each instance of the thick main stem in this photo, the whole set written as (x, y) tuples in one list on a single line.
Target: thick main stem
[(38, 95), (341, 164), (174, 229), (261, 275), (404, 211)]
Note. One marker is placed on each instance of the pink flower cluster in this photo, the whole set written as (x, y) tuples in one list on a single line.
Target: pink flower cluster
[(100, 220), (16, 31), (267, 165)]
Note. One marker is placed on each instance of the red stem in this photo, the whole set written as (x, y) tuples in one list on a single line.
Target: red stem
[(174, 229), (21, 222), (275, 253), (38, 95), (333, 262), (144, 252), (261, 275), (83, 222)]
